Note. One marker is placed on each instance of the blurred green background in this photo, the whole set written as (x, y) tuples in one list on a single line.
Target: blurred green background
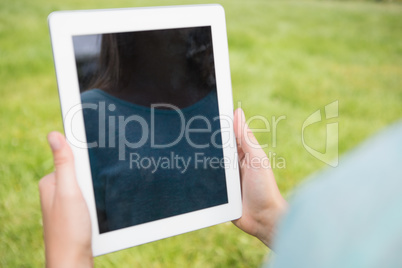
[(288, 58)]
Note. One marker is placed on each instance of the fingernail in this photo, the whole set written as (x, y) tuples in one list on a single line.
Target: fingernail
[(242, 113), (54, 141)]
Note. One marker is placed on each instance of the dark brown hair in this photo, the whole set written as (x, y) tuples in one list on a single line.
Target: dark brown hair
[(109, 74)]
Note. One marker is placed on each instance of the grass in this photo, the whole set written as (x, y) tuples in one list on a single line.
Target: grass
[(287, 59)]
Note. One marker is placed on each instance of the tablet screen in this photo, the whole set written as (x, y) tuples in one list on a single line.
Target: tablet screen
[(151, 118)]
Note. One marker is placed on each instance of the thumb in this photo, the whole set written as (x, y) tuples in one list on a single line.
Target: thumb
[(245, 137), (64, 163)]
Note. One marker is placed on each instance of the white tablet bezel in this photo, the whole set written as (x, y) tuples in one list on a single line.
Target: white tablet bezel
[(66, 24)]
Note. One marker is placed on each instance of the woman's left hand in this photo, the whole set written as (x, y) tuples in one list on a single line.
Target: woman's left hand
[(66, 222)]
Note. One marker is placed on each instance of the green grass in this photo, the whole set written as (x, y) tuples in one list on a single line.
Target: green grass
[(287, 59)]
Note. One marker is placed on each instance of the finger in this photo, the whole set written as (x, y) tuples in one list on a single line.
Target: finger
[(47, 186), (237, 130), (64, 164), (245, 136)]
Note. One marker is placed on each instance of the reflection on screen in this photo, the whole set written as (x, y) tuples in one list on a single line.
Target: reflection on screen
[(152, 124)]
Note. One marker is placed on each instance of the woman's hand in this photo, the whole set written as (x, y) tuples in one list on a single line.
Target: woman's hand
[(263, 204), (66, 223), (67, 228)]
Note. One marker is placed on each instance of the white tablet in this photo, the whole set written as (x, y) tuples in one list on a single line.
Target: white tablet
[(147, 108)]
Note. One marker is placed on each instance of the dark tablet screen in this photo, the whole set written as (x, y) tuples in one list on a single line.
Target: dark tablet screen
[(152, 124)]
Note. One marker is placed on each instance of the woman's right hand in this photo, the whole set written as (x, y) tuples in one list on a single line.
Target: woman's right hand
[(263, 204)]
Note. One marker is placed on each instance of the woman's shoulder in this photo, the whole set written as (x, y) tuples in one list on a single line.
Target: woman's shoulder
[(92, 95)]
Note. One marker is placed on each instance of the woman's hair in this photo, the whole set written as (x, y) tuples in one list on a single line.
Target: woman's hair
[(110, 74), (201, 56), (108, 71)]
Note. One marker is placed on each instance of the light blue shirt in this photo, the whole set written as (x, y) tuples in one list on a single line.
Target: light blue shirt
[(349, 216)]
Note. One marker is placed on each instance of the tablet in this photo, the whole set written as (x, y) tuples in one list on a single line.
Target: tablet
[(148, 111)]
